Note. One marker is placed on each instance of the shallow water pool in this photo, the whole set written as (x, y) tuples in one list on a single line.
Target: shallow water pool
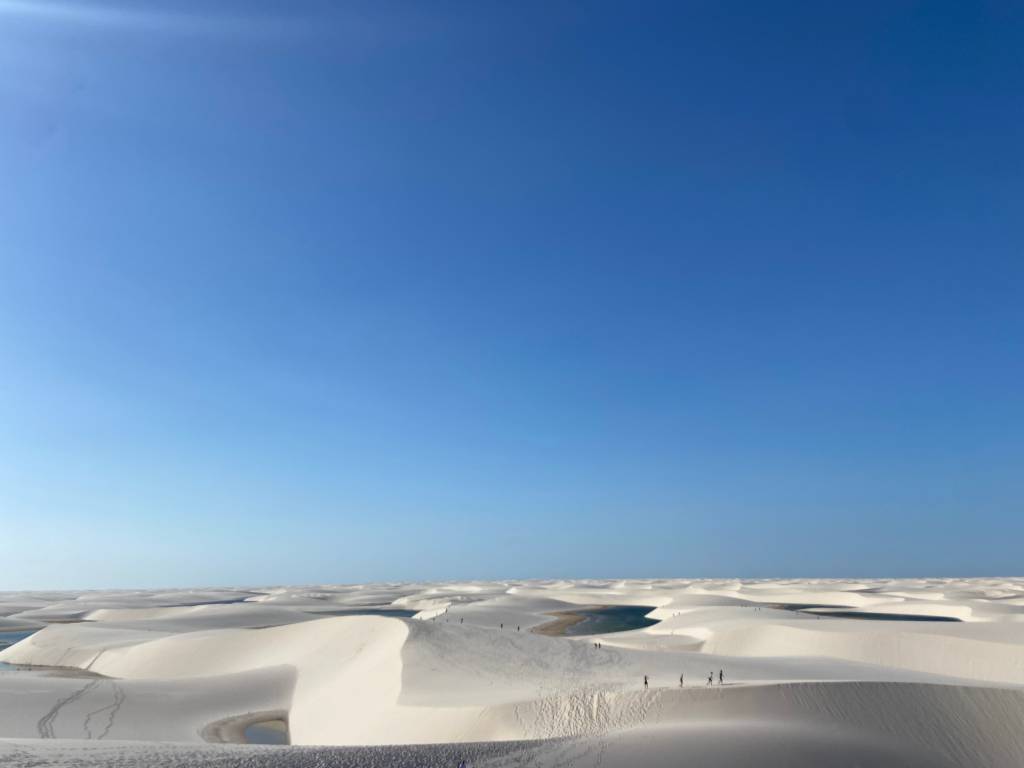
[(267, 732), (612, 618), (10, 638)]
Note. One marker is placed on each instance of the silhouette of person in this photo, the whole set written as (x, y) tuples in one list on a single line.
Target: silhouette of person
[(680, 681), (645, 682), (720, 679), (711, 678)]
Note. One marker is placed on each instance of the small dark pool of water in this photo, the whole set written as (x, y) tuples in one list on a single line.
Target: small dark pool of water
[(880, 616), (7, 639), (267, 732), (838, 612), (613, 618), (10, 638)]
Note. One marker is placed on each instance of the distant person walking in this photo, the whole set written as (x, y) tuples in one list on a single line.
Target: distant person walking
[(645, 682), (721, 680), (680, 681), (711, 678)]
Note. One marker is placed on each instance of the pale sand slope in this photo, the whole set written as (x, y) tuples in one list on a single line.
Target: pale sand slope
[(37, 706), (452, 676), (774, 741)]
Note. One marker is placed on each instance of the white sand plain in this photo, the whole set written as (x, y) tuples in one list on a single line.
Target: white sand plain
[(150, 678)]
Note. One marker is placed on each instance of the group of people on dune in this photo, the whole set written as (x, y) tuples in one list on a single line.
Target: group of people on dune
[(682, 683)]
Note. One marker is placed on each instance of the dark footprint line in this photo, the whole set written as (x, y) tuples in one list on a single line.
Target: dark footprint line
[(119, 697), (113, 707), (45, 724)]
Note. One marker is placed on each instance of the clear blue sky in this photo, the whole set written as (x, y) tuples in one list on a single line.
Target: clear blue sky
[(330, 292)]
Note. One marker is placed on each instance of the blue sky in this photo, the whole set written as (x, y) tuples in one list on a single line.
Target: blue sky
[(331, 292)]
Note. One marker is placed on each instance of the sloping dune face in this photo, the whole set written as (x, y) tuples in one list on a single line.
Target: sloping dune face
[(767, 672), (346, 672)]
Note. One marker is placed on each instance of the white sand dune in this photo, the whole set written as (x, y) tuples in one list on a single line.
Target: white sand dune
[(715, 745), (467, 679), (52, 707)]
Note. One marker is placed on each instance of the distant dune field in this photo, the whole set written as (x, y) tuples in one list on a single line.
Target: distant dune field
[(813, 673)]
